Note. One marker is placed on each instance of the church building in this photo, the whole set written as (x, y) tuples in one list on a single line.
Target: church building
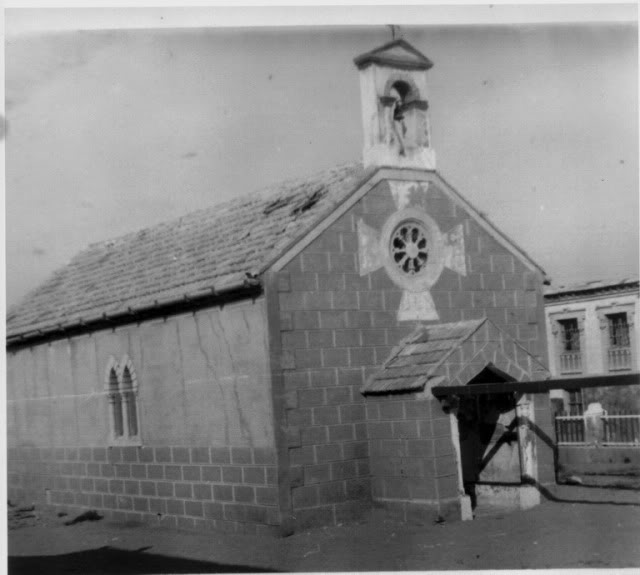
[(273, 363)]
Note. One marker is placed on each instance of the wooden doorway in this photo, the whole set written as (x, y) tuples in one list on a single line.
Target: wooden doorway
[(489, 450)]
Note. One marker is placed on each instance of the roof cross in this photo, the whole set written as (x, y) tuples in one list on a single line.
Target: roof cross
[(395, 31)]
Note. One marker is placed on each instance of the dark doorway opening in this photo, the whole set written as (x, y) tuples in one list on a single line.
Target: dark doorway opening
[(488, 434)]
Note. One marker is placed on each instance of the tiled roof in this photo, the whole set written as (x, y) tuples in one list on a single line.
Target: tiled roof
[(419, 355), (594, 286), (212, 249)]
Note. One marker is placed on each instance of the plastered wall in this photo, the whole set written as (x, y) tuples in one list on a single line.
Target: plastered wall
[(206, 444)]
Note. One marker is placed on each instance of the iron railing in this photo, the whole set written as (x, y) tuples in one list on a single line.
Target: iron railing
[(621, 429), (619, 358), (570, 429), (570, 362)]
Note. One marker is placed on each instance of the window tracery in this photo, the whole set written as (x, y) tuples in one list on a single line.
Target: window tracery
[(122, 394)]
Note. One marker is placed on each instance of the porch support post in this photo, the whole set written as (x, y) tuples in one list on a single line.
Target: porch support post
[(466, 513), (524, 413), (529, 494)]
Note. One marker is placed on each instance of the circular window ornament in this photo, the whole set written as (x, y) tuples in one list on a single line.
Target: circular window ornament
[(409, 248), (411, 245)]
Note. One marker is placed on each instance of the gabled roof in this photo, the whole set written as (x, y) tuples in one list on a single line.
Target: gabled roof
[(398, 54), (419, 356), (214, 249)]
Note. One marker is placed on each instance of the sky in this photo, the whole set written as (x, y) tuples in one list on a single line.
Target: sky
[(117, 121)]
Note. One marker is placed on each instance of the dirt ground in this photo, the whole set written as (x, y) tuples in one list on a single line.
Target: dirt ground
[(584, 527)]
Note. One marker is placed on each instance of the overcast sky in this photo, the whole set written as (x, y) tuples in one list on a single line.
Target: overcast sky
[(110, 131)]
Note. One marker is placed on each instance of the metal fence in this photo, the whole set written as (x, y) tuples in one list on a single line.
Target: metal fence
[(570, 429), (621, 429), (612, 429)]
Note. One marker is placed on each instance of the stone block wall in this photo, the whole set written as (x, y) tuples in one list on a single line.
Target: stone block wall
[(337, 326), (413, 462), (231, 489)]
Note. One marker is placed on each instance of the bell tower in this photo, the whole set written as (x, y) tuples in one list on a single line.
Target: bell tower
[(395, 109)]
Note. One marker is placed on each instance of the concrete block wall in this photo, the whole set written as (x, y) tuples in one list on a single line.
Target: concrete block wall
[(413, 462), (224, 488), (338, 326)]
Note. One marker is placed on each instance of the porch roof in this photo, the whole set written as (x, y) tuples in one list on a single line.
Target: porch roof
[(416, 359)]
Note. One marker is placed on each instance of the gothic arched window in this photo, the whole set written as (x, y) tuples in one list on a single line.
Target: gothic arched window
[(115, 402), (122, 392)]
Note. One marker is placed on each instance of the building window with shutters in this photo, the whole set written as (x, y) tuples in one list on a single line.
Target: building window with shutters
[(122, 395), (619, 344), (569, 357)]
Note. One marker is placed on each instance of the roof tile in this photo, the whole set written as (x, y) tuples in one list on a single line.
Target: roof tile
[(418, 356), (213, 248)]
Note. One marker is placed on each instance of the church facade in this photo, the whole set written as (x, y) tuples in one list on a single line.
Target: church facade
[(266, 365)]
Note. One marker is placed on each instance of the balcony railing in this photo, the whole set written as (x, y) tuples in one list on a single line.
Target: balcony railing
[(619, 358), (570, 362)]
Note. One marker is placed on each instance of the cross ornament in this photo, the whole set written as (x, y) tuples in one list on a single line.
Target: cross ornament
[(412, 250)]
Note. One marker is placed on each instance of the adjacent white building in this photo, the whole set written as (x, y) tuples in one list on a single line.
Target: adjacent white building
[(591, 329)]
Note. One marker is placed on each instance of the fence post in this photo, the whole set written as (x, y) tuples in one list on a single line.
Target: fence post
[(524, 413), (593, 425)]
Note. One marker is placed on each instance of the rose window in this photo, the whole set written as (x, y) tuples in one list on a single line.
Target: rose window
[(409, 248)]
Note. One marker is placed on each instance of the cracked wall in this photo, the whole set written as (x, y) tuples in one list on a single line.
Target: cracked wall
[(203, 380), (207, 453)]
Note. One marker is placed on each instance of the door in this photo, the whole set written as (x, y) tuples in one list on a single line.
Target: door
[(488, 442)]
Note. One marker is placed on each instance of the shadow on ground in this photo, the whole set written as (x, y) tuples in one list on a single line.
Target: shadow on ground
[(119, 561), (560, 494)]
